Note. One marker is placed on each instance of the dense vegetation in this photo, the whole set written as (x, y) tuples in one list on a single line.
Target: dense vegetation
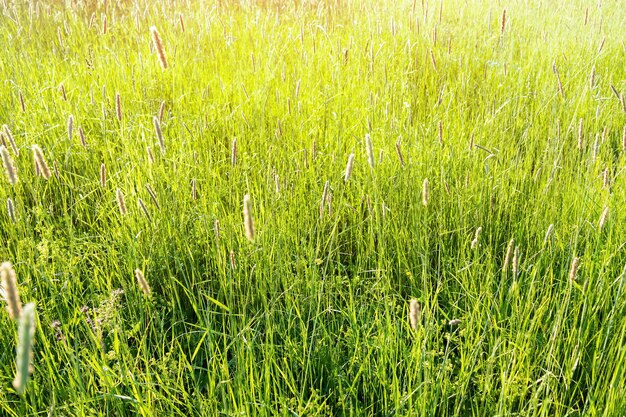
[(492, 194)]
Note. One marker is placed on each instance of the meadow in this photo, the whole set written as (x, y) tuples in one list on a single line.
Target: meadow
[(313, 208)]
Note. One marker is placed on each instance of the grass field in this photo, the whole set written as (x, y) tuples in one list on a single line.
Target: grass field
[(435, 222)]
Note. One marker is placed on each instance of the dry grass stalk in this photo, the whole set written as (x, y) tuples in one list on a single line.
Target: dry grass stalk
[(104, 24), (158, 46), (121, 202), (247, 217), (415, 314), (349, 167), (425, 192), (40, 160), (143, 283), (24, 351), (10, 289), (182, 23), (8, 165)]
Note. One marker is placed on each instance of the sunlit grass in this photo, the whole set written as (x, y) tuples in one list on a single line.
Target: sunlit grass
[(347, 208)]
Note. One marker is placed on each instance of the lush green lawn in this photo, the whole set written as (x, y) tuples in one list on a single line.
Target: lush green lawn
[(515, 118)]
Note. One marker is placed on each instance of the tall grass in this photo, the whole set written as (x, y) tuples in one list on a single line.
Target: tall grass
[(372, 301)]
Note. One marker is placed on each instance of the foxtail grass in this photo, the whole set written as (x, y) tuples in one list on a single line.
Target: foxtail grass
[(24, 351), (10, 289), (8, 165), (247, 217), (158, 46)]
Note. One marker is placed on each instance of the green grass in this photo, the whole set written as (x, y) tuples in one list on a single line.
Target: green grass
[(312, 320)]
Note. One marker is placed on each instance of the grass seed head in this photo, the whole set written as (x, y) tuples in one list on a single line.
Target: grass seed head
[(509, 254), (144, 209), (515, 263), (476, 237), (324, 199), (150, 154), (574, 268), (425, 192), (159, 133), (9, 135), (233, 263), (194, 190), (415, 314), (11, 209), (153, 196), (41, 163), (143, 283), (103, 175), (247, 217), (8, 165), (548, 234), (22, 103), (603, 218), (233, 152), (349, 167), (216, 229), (369, 150), (10, 290), (121, 202), (24, 351), (70, 127), (118, 107), (161, 111), (158, 46), (399, 152), (81, 134)]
